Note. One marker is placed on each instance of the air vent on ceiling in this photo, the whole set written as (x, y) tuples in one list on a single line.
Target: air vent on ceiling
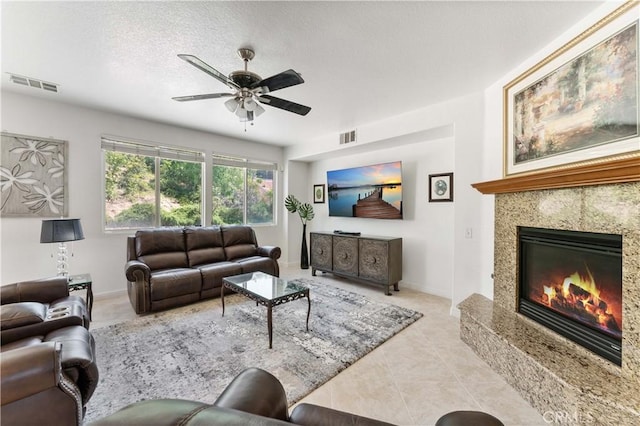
[(33, 82), (347, 137)]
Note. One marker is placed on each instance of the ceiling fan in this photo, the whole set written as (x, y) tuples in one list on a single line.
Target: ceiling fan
[(250, 90)]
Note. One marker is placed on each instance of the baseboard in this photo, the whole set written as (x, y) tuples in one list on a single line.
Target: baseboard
[(109, 294)]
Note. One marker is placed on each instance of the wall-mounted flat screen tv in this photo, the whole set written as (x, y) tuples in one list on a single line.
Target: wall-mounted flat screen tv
[(370, 191)]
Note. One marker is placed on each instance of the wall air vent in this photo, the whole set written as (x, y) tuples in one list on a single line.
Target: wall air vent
[(33, 82), (347, 137)]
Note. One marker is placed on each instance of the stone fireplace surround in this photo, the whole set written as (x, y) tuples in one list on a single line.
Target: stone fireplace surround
[(565, 382)]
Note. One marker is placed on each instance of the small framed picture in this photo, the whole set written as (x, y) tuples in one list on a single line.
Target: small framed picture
[(318, 194), (441, 187)]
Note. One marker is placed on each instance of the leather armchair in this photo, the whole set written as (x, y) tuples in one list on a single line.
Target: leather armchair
[(37, 307), (256, 397), (35, 389), (76, 356), (36, 315)]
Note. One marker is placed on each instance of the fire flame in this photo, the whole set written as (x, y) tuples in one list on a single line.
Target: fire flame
[(584, 282), (579, 290), (550, 292)]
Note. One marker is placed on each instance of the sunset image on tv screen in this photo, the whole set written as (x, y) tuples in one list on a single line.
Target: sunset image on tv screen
[(370, 191)]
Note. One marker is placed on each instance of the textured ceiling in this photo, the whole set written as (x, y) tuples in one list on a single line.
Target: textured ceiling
[(362, 61)]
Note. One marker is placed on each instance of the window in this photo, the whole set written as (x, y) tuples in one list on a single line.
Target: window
[(242, 191), (151, 186)]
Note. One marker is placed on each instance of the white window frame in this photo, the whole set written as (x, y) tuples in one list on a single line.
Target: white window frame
[(231, 161), (159, 152)]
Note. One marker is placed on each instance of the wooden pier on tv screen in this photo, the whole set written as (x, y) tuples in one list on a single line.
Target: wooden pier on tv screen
[(374, 206)]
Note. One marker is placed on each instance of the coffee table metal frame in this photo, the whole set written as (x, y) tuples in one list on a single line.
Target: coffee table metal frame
[(283, 294)]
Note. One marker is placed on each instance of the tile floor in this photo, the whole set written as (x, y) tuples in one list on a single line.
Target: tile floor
[(413, 378)]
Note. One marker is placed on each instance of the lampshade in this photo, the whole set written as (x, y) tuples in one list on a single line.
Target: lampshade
[(232, 104), (243, 114), (258, 110), (61, 230), (249, 104)]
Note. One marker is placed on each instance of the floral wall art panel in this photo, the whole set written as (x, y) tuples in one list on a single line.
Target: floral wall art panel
[(33, 176)]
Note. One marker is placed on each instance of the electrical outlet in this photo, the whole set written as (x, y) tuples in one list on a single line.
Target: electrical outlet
[(468, 233)]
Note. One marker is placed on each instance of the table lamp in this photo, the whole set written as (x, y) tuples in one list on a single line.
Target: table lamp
[(60, 231)]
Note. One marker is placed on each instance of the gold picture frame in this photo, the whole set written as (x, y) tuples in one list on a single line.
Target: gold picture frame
[(580, 104)]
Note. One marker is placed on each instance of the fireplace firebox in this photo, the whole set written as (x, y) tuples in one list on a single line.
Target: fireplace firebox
[(571, 282)]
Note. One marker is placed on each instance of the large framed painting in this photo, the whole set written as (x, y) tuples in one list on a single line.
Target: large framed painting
[(33, 177), (580, 104)]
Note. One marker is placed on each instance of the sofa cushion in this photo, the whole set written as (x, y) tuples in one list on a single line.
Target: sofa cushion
[(204, 245), (239, 251), (257, 263), (162, 248), (175, 282), (239, 241), (21, 314), (27, 341), (213, 274)]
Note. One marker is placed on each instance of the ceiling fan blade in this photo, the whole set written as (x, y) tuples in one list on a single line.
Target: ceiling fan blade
[(202, 66), (280, 81), (284, 104), (200, 97)]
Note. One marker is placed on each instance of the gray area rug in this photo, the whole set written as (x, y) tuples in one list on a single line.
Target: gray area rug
[(193, 352)]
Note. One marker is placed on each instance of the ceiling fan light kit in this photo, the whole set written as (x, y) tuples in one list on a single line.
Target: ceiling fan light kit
[(250, 89)]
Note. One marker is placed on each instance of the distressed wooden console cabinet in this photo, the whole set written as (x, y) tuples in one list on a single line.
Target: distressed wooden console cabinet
[(370, 258)]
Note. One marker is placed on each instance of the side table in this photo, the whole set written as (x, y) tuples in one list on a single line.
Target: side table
[(82, 282)]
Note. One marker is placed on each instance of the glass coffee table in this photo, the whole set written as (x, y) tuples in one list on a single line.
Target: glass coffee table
[(266, 290)]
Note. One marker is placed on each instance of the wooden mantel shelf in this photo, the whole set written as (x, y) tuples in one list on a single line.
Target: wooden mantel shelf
[(616, 171)]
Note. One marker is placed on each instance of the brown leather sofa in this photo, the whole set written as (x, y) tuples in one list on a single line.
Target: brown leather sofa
[(48, 365), (36, 307), (168, 267), (255, 397)]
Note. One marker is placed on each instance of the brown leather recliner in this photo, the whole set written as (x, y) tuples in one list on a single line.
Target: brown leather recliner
[(36, 314), (255, 397), (35, 389), (37, 307), (169, 267)]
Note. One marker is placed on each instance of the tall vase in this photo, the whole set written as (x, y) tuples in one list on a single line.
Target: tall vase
[(304, 254)]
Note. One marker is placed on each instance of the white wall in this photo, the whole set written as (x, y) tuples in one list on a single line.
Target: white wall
[(102, 254), (441, 138), (493, 142), (462, 135), (427, 266), (295, 183)]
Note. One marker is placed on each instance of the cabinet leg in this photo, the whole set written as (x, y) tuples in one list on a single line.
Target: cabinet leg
[(313, 272), (395, 287)]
